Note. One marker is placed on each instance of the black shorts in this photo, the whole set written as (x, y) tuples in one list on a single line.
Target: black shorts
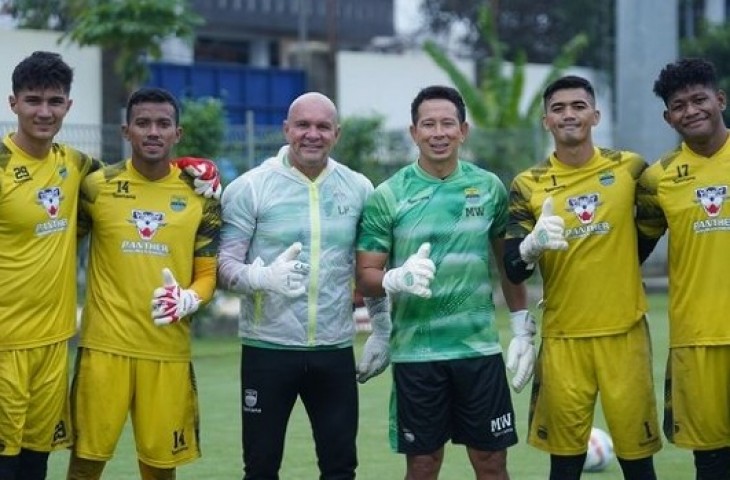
[(271, 383), (466, 401)]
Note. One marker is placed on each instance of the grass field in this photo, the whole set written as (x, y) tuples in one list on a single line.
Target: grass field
[(217, 366)]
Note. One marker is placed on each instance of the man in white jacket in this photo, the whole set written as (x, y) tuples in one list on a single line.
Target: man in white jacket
[(288, 246)]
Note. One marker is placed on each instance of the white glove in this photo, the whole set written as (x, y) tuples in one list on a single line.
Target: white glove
[(548, 234), (376, 352), (170, 303), (285, 275), (521, 353), (206, 177), (414, 276)]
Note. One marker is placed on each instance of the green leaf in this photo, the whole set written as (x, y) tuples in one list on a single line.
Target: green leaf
[(515, 136), (133, 28)]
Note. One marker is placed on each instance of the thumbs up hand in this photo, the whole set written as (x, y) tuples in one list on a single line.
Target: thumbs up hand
[(548, 234), (170, 303), (414, 276), (286, 275)]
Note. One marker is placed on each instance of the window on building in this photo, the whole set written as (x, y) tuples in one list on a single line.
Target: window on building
[(229, 51)]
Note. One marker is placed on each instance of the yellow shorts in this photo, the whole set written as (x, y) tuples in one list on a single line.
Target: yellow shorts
[(34, 412), (569, 375), (160, 397), (697, 397)]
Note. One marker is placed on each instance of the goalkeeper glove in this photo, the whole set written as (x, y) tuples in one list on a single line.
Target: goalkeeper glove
[(521, 353), (206, 177), (170, 303), (414, 276), (285, 275), (548, 234), (376, 352)]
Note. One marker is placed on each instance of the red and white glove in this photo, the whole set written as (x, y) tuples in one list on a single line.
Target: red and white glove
[(170, 303), (207, 178)]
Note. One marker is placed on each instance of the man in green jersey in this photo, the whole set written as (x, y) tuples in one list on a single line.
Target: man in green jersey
[(432, 224)]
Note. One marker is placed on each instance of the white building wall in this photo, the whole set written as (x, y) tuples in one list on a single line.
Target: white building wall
[(371, 83), (86, 90)]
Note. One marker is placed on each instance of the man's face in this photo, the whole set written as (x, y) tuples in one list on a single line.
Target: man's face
[(152, 131), (40, 113), (438, 132), (311, 130), (570, 115), (696, 112)]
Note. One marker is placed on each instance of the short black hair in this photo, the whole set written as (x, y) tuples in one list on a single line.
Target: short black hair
[(438, 92), (566, 82), (42, 70), (153, 95), (684, 73)]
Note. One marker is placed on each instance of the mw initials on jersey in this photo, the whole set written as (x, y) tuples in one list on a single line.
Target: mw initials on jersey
[(474, 211), (502, 424)]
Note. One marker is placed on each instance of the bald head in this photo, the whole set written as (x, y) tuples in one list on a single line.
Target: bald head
[(312, 100)]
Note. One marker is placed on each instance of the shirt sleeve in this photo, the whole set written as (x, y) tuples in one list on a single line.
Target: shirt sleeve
[(239, 224), (650, 219), (376, 224)]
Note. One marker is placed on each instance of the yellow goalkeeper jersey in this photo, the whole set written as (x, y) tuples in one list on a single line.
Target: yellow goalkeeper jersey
[(38, 205), (685, 193), (138, 227), (594, 287)]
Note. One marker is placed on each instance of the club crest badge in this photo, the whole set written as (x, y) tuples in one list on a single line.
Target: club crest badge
[(250, 397)]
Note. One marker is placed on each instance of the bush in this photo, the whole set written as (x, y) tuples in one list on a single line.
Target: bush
[(203, 128)]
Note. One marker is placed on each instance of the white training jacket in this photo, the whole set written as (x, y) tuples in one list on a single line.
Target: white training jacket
[(267, 209)]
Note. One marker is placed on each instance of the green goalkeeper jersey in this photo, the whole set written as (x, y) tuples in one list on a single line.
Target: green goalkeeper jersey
[(459, 216)]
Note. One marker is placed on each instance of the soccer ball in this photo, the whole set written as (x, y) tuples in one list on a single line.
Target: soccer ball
[(600, 451)]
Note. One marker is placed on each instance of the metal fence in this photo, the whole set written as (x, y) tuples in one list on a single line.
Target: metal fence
[(245, 146)]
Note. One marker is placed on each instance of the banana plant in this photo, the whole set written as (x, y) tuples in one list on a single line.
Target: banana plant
[(505, 138)]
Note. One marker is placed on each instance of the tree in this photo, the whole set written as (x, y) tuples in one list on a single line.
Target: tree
[(539, 28), (46, 15), (362, 143), (712, 43), (134, 30), (507, 139), (204, 126)]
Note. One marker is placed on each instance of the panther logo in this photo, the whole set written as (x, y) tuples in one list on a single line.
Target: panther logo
[(584, 207), (147, 223), (711, 199), (50, 200)]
